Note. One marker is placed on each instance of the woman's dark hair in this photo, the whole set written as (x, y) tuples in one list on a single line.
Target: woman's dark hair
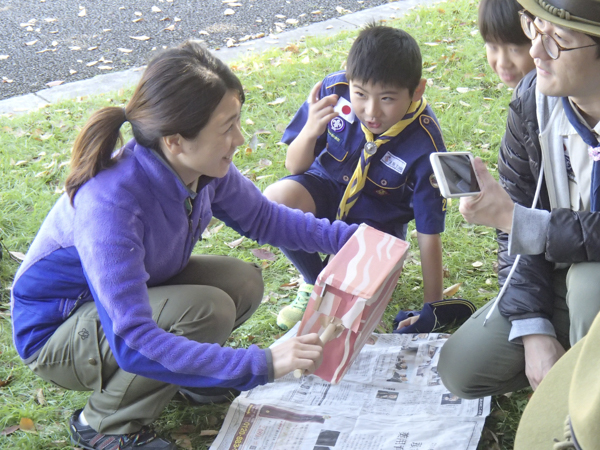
[(178, 92), (385, 55), (499, 22)]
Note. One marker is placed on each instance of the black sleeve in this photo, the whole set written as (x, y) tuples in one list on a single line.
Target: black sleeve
[(530, 293), (573, 236)]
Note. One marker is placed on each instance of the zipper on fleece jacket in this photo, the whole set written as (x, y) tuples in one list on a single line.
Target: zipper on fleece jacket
[(189, 207)]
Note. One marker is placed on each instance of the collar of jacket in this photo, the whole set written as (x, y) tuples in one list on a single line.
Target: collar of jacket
[(165, 181)]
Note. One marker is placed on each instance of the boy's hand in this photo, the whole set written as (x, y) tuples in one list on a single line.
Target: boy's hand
[(320, 111), (407, 322), (492, 206)]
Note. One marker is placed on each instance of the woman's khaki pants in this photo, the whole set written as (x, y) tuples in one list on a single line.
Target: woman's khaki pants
[(212, 296)]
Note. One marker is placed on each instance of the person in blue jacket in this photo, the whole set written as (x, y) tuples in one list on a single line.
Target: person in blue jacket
[(377, 100), (110, 298)]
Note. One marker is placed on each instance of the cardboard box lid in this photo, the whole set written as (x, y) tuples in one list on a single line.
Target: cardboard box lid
[(348, 271)]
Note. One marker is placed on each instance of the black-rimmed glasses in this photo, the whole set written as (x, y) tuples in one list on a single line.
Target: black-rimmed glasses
[(552, 47)]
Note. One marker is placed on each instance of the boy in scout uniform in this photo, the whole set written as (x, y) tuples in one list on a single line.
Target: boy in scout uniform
[(359, 151)]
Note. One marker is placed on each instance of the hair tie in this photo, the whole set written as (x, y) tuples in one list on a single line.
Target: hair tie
[(124, 115)]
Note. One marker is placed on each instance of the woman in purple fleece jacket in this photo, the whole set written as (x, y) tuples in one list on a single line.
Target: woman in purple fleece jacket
[(109, 298)]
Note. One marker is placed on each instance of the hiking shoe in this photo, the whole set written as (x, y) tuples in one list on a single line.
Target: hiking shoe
[(292, 313), (84, 436), (205, 396)]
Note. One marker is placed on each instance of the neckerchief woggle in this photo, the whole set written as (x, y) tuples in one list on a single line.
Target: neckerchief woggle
[(359, 177), (589, 137)]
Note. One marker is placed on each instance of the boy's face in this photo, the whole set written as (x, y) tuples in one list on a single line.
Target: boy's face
[(510, 61), (575, 73), (379, 106)]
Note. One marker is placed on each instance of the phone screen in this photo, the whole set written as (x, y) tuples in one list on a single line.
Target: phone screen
[(459, 173)]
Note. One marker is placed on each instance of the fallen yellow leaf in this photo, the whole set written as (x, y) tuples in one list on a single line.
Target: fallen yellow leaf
[(27, 424), (40, 397), (450, 291), (209, 433)]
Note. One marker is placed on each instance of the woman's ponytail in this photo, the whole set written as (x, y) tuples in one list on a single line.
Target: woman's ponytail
[(94, 147)]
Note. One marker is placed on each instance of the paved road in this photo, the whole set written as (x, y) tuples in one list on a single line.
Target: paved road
[(46, 41)]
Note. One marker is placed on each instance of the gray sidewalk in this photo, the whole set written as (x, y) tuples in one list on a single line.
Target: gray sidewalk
[(118, 80)]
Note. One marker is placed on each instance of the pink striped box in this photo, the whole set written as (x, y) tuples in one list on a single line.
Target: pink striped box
[(353, 292)]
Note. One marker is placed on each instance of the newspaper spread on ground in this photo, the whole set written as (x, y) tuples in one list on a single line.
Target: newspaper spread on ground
[(391, 398)]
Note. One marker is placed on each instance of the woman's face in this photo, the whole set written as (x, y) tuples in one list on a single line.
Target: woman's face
[(211, 152)]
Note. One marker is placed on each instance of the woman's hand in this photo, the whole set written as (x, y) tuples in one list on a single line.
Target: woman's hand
[(301, 352), (492, 206)]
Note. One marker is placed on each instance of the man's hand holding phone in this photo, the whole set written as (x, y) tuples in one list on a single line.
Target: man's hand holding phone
[(492, 206)]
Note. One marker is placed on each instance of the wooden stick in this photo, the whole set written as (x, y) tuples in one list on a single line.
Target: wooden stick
[(329, 333)]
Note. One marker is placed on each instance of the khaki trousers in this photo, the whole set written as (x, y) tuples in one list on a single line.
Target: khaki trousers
[(211, 297), (479, 361)]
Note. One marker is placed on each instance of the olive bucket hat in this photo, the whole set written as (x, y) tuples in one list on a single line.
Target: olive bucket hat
[(564, 411), (578, 15)]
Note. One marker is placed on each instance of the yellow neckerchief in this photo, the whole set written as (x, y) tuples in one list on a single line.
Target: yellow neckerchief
[(359, 178)]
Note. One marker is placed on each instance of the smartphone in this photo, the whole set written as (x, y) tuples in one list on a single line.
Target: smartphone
[(455, 174)]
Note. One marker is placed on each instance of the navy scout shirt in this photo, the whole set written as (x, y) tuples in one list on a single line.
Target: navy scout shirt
[(400, 185)]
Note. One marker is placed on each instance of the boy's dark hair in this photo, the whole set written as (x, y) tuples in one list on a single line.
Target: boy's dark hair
[(499, 22), (385, 55)]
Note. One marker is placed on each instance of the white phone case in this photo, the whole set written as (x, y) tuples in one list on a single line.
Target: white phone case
[(461, 184)]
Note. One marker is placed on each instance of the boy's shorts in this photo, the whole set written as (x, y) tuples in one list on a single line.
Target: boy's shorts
[(327, 194)]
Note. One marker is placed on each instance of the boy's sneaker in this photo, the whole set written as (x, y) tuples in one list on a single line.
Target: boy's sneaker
[(84, 436), (206, 396), (292, 313)]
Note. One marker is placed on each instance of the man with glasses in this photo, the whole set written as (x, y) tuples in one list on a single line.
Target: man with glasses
[(546, 209)]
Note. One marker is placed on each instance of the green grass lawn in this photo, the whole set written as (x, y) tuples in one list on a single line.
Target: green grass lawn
[(34, 152)]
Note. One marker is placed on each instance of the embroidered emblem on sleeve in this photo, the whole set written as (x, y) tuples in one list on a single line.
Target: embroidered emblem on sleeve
[(433, 181), (337, 124)]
